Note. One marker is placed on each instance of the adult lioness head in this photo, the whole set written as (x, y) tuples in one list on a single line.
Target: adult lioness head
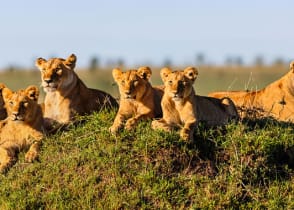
[(22, 105), (179, 84), (56, 72), (132, 84)]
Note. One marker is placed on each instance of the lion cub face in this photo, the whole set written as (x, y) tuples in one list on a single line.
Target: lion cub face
[(21, 105), (178, 84), (55, 72), (132, 83)]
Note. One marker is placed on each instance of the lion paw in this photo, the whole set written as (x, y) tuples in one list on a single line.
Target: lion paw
[(161, 125), (155, 124), (31, 156), (185, 134), (130, 124), (114, 129)]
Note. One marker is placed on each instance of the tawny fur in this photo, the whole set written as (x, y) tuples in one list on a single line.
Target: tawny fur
[(3, 113), (275, 100), (66, 95), (138, 99), (23, 128), (183, 109)]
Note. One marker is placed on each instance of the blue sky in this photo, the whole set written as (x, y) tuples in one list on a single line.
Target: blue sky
[(140, 32)]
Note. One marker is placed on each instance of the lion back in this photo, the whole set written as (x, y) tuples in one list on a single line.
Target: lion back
[(102, 100), (214, 111), (158, 93)]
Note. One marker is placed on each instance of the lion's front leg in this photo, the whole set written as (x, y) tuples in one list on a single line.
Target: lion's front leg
[(33, 152), (7, 157), (117, 124), (132, 122), (161, 124), (187, 131)]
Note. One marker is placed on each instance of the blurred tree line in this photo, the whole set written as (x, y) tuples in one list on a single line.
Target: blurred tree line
[(200, 60)]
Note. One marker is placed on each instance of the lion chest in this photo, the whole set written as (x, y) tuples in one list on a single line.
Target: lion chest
[(131, 108), (57, 108), (186, 111), (178, 112), (24, 136)]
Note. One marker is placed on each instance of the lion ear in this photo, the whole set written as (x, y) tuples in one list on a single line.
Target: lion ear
[(6, 93), (39, 62), (116, 74), (32, 92), (191, 73), (292, 66), (71, 61), (2, 85), (164, 73), (144, 72)]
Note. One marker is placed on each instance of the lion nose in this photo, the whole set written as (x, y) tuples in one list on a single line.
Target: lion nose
[(48, 80), (15, 115), (175, 92), (128, 92)]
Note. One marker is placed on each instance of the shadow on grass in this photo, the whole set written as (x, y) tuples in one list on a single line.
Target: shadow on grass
[(265, 122), (279, 157), (274, 162), (198, 157)]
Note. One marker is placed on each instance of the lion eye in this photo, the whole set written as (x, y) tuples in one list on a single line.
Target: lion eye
[(123, 82), (170, 82), (58, 71), (25, 104), (10, 103)]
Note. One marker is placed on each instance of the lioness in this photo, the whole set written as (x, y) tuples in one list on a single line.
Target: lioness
[(66, 95), (275, 100), (23, 128), (138, 99), (181, 107), (3, 113)]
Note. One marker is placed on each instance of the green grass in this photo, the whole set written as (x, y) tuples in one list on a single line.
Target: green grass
[(247, 165)]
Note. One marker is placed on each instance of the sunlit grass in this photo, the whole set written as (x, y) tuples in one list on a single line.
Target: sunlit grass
[(243, 165), (247, 165)]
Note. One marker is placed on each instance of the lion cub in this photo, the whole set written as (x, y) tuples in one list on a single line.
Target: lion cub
[(138, 99), (66, 95), (183, 109), (23, 128)]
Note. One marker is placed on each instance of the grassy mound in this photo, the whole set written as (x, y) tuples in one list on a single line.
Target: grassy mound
[(245, 165)]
